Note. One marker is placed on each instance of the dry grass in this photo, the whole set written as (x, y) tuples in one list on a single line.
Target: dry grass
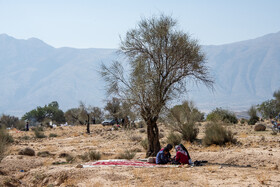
[(111, 143), (263, 178)]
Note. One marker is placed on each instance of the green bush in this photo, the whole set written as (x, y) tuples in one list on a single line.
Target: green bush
[(223, 115), (189, 132), (174, 139), (94, 155), (25, 137), (216, 134), (253, 120), (243, 121), (126, 155)]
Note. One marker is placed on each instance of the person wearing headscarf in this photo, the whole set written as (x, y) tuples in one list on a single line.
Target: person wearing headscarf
[(181, 155)]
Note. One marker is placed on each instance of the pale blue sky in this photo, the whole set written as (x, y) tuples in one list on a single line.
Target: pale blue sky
[(98, 24)]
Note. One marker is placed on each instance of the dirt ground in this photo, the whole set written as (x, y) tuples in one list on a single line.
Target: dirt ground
[(254, 161)]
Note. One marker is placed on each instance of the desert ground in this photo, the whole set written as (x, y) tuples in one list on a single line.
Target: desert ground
[(253, 161)]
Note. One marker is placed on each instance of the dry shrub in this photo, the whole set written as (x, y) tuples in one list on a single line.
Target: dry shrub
[(161, 135), (27, 151), (174, 138), (215, 133), (142, 130), (38, 133), (263, 178), (63, 155), (189, 132), (145, 143), (94, 155), (70, 159), (4, 142), (52, 135), (126, 155), (44, 154), (136, 150), (136, 138), (84, 157), (25, 137)]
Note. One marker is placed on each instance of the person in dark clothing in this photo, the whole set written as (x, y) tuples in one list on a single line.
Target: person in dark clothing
[(162, 156), (27, 126), (169, 147)]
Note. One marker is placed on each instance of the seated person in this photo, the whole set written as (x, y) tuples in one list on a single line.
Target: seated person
[(181, 155), (169, 147), (162, 156)]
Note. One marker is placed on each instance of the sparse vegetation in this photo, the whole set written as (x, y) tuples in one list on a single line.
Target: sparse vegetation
[(253, 116), (126, 155), (94, 155), (216, 134), (38, 133), (183, 118), (174, 138), (44, 154), (270, 108), (144, 143), (243, 121), (5, 140), (70, 158), (52, 135), (135, 138), (27, 151), (25, 137)]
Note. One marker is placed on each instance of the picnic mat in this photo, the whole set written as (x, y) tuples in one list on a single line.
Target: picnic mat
[(126, 163)]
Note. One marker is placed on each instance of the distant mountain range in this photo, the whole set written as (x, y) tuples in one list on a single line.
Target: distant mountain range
[(34, 73)]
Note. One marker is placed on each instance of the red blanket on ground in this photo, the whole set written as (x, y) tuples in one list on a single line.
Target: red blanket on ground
[(133, 163)]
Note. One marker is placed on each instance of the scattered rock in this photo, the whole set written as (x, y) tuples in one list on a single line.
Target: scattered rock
[(79, 166), (260, 127), (27, 151), (63, 155)]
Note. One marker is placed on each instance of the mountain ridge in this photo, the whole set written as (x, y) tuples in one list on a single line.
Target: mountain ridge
[(34, 73)]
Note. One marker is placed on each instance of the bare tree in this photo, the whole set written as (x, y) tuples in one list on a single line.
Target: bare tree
[(160, 59)]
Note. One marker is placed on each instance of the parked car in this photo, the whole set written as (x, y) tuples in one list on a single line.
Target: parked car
[(109, 122)]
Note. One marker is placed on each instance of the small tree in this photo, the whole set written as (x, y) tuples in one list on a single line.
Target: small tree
[(270, 108), (114, 108), (50, 111), (160, 59), (97, 114)]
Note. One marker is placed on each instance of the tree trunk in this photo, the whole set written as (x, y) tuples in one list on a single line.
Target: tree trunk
[(153, 137), (88, 130)]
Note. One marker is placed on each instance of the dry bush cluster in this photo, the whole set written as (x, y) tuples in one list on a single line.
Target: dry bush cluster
[(215, 133)]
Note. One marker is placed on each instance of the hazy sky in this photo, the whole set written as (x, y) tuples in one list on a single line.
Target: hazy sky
[(98, 24)]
